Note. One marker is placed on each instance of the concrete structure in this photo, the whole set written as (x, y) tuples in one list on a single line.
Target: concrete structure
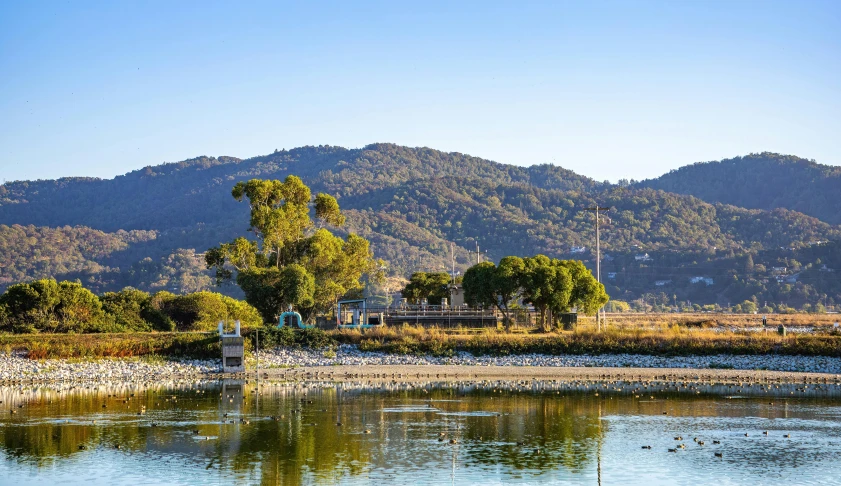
[(456, 295), (233, 349)]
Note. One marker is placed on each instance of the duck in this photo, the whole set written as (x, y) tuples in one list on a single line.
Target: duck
[(718, 454), (646, 447)]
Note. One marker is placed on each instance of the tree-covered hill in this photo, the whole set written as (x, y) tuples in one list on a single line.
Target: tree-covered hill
[(761, 181), (150, 226)]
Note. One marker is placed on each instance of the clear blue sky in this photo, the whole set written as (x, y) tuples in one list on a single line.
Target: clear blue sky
[(607, 89)]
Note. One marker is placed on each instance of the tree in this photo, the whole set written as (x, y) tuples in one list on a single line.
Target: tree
[(587, 294), (546, 285), (50, 306), (133, 310), (489, 285), (748, 307), (429, 286), (202, 311), (289, 264)]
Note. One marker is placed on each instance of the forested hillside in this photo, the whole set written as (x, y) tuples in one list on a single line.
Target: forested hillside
[(761, 181), (146, 228)]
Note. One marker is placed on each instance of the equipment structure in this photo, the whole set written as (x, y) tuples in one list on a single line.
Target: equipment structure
[(357, 315), (291, 318)]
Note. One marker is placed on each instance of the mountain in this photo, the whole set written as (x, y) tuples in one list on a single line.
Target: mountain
[(413, 204), (761, 181)]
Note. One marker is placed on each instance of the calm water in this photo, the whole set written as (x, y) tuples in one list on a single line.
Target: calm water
[(503, 432)]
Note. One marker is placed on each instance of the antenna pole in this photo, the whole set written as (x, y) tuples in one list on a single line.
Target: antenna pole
[(597, 210)]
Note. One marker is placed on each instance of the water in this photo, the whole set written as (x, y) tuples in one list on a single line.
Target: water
[(522, 432)]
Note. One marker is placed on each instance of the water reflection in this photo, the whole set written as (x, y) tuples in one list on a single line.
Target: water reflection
[(423, 432)]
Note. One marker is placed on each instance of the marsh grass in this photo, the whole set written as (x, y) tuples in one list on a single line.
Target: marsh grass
[(667, 340), (82, 346), (662, 334)]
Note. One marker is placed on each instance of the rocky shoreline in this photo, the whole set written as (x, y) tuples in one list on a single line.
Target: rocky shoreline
[(280, 361)]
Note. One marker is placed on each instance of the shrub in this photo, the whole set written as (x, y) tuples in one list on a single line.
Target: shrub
[(202, 311), (133, 310), (49, 306)]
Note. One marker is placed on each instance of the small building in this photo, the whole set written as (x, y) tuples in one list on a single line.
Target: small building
[(577, 249), (642, 257), (792, 278), (611, 275), (706, 280), (662, 283), (778, 270)]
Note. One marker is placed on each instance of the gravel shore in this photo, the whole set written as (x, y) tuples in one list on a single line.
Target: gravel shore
[(348, 361), (350, 355)]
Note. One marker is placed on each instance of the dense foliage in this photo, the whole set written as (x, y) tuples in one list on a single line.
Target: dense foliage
[(411, 204), (429, 287), (289, 265), (761, 181), (66, 307), (547, 284)]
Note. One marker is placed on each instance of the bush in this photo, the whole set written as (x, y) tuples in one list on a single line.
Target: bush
[(285, 336), (202, 311), (133, 310), (49, 306)]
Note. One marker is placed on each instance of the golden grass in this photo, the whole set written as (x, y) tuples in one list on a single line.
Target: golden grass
[(118, 345)]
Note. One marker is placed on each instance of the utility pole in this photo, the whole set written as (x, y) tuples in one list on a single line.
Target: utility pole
[(478, 256), (453, 258), (597, 209)]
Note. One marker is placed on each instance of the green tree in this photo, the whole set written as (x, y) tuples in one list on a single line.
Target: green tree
[(587, 294), (489, 285), (748, 307), (202, 311), (50, 306), (133, 310), (430, 286), (547, 285), (289, 264)]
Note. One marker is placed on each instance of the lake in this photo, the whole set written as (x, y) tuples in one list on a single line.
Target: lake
[(387, 432)]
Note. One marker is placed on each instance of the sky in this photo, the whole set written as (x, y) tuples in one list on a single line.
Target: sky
[(608, 89)]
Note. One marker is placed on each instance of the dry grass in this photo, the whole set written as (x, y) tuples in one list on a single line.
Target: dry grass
[(41, 346), (672, 340), (632, 320)]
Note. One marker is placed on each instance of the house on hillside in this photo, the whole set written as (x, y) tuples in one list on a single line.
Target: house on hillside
[(792, 278), (642, 257), (778, 270), (577, 249), (661, 283), (699, 279), (611, 275)]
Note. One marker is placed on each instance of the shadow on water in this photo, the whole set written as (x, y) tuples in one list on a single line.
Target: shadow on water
[(469, 431)]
